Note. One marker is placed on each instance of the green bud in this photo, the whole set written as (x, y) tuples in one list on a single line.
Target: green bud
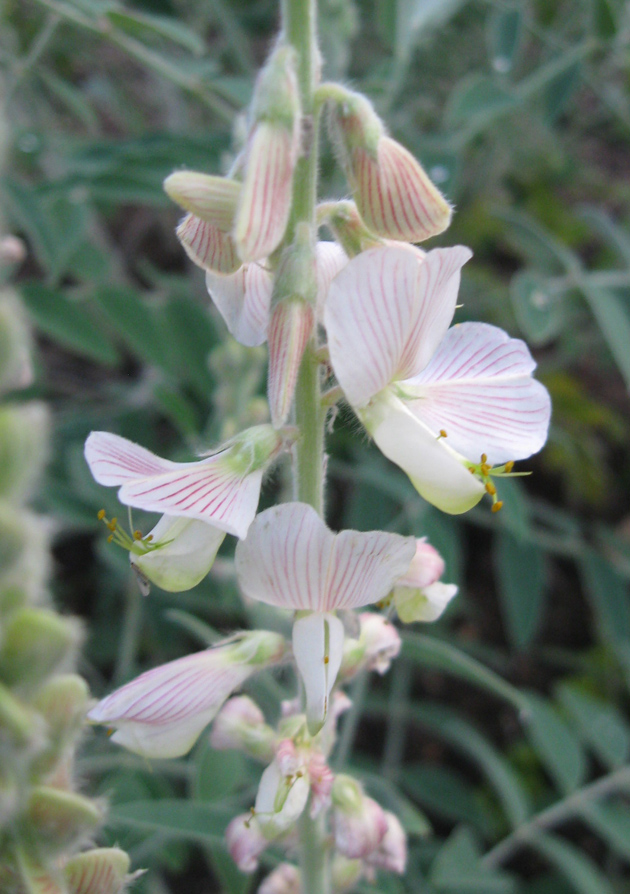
[(63, 703), (347, 794), (36, 641), (253, 449), (99, 871), (16, 721), (57, 819), (276, 96), (213, 199), (24, 432), (259, 647), (24, 557)]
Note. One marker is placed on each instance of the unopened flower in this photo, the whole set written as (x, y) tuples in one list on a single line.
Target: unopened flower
[(378, 644), (244, 298), (394, 195), (291, 560), (271, 154), (163, 711), (321, 778), (420, 595), (245, 842), (359, 823), (285, 879), (283, 791), (241, 724), (441, 403), (391, 854), (221, 490), (98, 871)]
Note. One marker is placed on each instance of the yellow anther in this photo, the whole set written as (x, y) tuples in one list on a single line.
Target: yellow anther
[(490, 488), (484, 458), (326, 659), (498, 505), (110, 538), (252, 810), (100, 514), (299, 774), (137, 535), (443, 433), (509, 466), (471, 470), (485, 469), (149, 538)]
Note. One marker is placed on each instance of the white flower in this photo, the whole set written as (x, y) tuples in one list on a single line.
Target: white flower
[(435, 400), (291, 560)]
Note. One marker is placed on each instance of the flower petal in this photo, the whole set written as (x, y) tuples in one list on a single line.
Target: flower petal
[(318, 650), (330, 259), (207, 246), (386, 313), (162, 712), (289, 331), (423, 604), (208, 490), (479, 389), (243, 300), (435, 470), (290, 559), (188, 553), (115, 460)]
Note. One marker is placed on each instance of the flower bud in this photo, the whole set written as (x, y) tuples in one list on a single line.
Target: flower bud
[(285, 879), (58, 819), (290, 328), (62, 702), (98, 871), (391, 854), (245, 842), (282, 793), (207, 246), (253, 449), (427, 567), (394, 195), (212, 199), (34, 879), (419, 595), (24, 430), (241, 724), (378, 643), (25, 558), (322, 778), (12, 250), (15, 344), (358, 821), (36, 641), (16, 721), (345, 873), (348, 228), (271, 155)]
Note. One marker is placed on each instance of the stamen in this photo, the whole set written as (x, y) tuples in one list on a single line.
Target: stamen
[(509, 466), (484, 458), (498, 505), (490, 488), (100, 514), (137, 535), (442, 434)]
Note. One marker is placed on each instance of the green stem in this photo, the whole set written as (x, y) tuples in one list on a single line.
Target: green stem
[(314, 862)]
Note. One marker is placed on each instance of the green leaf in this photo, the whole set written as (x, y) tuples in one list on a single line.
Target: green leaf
[(578, 869), (177, 818), (605, 18), (446, 793), (476, 101), (615, 237), (68, 322), (206, 634), (26, 210), (613, 318), (559, 91), (458, 869), (607, 592), (533, 241), (521, 574), (134, 320), (417, 17), (611, 822), (145, 25), (539, 312), (601, 725), (557, 747), (505, 32), (438, 655)]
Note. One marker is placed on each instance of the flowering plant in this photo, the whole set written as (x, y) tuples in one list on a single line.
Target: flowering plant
[(364, 319)]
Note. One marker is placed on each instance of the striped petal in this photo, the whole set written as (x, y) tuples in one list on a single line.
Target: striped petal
[(478, 388), (289, 331), (265, 199), (290, 559), (207, 246), (330, 259), (220, 490), (182, 553), (386, 313), (436, 471), (163, 712), (318, 651), (243, 300)]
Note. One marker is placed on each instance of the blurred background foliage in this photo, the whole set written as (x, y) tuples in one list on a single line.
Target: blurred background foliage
[(502, 736)]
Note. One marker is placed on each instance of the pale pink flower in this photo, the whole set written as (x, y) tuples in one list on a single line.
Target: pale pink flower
[(221, 490), (285, 879), (163, 711), (290, 328), (245, 842), (358, 821), (321, 778), (391, 854), (427, 566), (435, 400), (291, 560), (420, 595), (241, 724)]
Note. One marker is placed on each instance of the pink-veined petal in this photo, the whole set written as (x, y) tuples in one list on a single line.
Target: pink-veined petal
[(478, 388), (289, 331), (290, 559), (208, 490), (208, 246), (243, 300), (186, 556), (435, 470), (318, 651), (386, 312), (162, 712), (115, 460), (330, 259)]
